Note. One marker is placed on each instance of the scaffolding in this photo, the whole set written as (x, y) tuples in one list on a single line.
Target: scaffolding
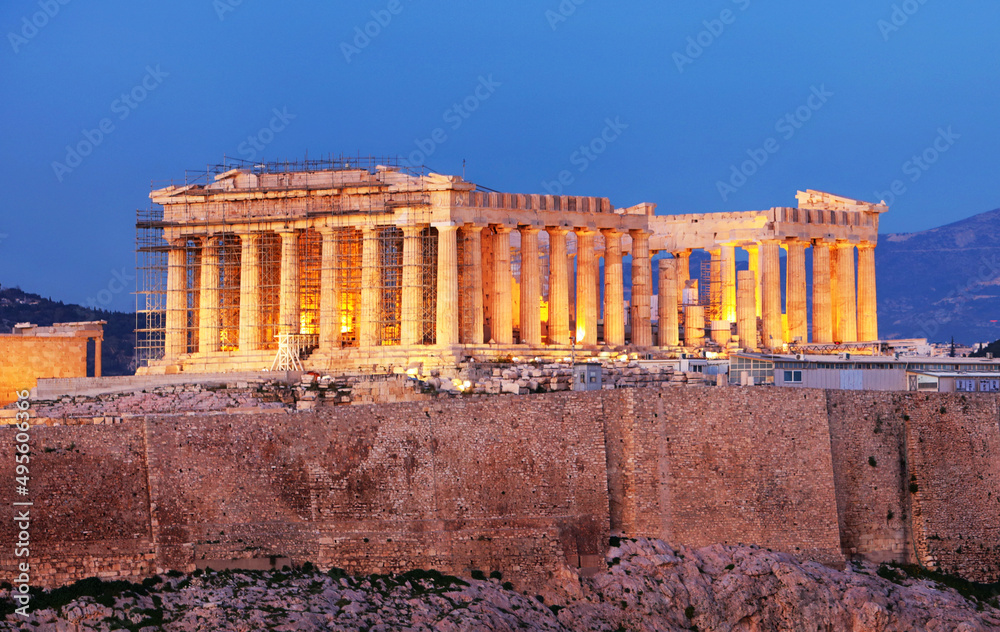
[(151, 286), (209, 233), (710, 288)]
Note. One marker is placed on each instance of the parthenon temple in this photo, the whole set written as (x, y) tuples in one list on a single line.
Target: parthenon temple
[(361, 263)]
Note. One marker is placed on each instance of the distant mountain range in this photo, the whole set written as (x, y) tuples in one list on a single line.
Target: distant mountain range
[(941, 282)]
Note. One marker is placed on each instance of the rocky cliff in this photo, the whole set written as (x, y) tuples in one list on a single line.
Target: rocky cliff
[(648, 586)]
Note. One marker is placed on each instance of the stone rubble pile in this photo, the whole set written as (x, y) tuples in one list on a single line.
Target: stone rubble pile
[(520, 379), (649, 586), (165, 400), (315, 390)]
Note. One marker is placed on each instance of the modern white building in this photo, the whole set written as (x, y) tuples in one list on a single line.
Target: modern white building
[(867, 372)]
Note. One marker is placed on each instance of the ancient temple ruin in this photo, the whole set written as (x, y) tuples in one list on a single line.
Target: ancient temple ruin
[(362, 263)]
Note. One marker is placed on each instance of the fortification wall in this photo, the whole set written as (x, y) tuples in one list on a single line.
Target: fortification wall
[(752, 466), (868, 440), (518, 484), (918, 478), (90, 513), (455, 486), (953, 450), (23, 359)]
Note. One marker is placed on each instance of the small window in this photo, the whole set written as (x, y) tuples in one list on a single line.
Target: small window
[(793, 377)]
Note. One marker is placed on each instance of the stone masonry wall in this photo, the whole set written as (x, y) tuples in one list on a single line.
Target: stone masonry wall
[(91, 503), (868, 437), (455, 485), (953, 449), (727, 465), (520, 484), (918, 478), (24, 359)]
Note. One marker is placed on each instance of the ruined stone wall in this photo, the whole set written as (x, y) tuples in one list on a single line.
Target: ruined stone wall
[(24, 359), (705, 466)]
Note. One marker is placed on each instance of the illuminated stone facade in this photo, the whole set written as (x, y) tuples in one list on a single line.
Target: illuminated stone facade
[(377, 267)]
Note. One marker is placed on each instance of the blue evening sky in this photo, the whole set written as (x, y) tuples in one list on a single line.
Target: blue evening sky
[(682, 93)]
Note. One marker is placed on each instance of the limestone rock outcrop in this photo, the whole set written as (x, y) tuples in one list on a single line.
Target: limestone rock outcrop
[(648, 586)]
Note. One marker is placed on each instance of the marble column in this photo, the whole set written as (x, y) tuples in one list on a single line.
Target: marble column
[(683, 259), (846, 305), (289, 302), (329, 291), (753, 251), (587, 272), (503, 316), (558, 287), (642, 290), (175, 337), (773, 333), (209, 310), (746, 309), (250, 334), (822, 316), (412, 308), (867, 304), (369, 325), (97, 356), (614, 290), (472, 314), (694, 326), (447, 285), (666, 305), (795, 291), (489, 295), (531, 287), (728, 274)]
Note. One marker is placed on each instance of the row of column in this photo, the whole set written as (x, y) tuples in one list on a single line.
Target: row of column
[(450, 329), (498, 293), (839, 313), (210, 315)]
